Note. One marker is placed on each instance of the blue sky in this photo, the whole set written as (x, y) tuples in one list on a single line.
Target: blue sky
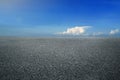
[(46, 17)]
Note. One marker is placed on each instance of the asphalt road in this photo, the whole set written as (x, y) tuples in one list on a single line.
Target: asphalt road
[(59, 59)]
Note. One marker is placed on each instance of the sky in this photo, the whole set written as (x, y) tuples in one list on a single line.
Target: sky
[(59, 17)]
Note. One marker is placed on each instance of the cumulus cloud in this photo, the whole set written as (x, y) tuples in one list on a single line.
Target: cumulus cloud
[(115, 31), (78, 30)]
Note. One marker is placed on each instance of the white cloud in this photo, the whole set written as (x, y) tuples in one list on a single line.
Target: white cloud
[(115, 31), (78, 30)]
